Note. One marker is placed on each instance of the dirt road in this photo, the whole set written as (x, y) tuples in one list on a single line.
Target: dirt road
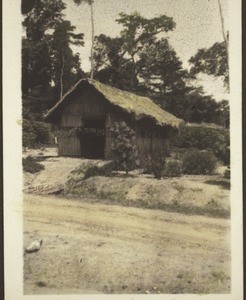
[(96, 248)]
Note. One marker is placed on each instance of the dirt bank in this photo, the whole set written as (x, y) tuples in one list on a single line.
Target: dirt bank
[(55, 174), (205, 195)]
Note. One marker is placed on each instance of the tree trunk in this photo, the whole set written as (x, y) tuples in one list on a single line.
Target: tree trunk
[(134, 72), (92, 41), (225, 37), (61, 77), (223, 30)]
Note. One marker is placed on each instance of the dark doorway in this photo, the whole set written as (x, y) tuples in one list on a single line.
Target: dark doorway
[(93, 146), (93, 139)]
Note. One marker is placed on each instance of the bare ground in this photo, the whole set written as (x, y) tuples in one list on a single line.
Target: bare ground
[(98, 248)]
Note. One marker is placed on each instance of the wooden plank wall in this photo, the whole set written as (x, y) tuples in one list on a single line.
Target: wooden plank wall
[(69, 146), (152, 145), (151, 139)]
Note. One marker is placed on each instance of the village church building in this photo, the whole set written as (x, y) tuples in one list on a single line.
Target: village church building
[(87, 112)]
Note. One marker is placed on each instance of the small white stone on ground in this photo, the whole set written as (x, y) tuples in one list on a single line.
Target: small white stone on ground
[(34, 246)]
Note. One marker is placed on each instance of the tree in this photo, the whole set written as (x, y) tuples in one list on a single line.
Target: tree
[(40, 17), (90, 2), (142, 61), (223, 111), (211, 61), (110, 67), (137, 33), (43, 16), (49, 66), (224, 34), (117, 60), (214, 60), (193, 106), (124, 146), (27, 6), (65, 63), (160, 69)]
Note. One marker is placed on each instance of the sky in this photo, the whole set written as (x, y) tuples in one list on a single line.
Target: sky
[(198, 25)]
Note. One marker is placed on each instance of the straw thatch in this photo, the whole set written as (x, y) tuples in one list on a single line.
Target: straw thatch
[(140, 107)]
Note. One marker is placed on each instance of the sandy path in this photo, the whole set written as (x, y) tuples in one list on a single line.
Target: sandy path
[(96, 248)]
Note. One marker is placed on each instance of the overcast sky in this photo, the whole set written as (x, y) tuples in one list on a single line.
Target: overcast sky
[(198, 25)]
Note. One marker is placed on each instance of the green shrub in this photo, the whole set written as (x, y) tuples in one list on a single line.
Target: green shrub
[(215, 139), (124, 146), (154, 164), (198, 162), (30, 165), (158, 166), (43, 131), (29, 139), (227, 174), (35, 133), (223, 154), (105, 170), (147, 164), (173, 169)]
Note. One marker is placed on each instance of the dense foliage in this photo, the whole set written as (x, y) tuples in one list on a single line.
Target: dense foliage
[(49, 66), (141, 60), (124, 146), (197, 162), (30, 165), (212, 61), (154, 164), (215, 139), (173, 168), (227, 173), (104, 170), (35, 133)]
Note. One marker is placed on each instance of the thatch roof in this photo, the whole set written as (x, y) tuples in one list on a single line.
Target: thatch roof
[(140, 107)]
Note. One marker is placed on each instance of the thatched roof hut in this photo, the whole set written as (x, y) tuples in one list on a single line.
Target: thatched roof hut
[(91, 104)]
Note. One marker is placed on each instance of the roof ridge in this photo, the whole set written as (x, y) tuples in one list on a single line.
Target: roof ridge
[(117, 89), (63, 97), (141, 106)]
